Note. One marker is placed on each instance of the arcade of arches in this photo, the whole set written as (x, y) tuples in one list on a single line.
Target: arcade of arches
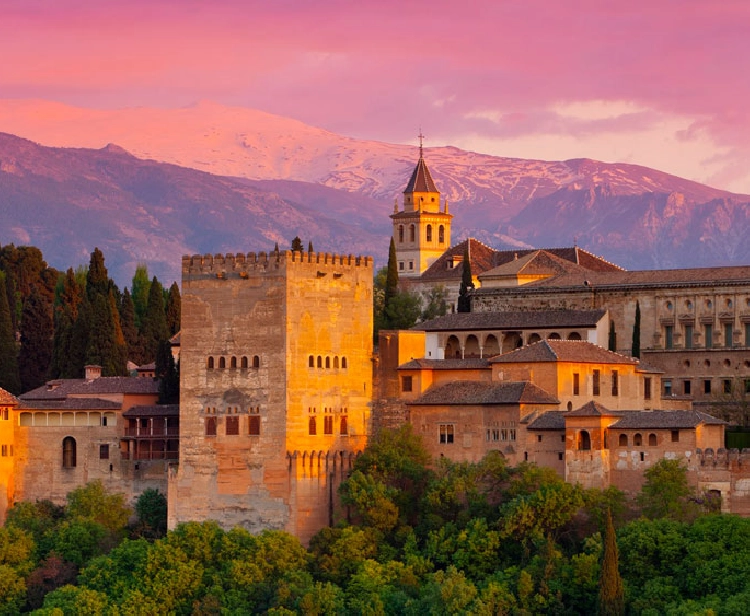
[(461, 346)]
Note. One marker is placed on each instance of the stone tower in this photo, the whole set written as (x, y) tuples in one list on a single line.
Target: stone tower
[(422, 232), (276, 387)]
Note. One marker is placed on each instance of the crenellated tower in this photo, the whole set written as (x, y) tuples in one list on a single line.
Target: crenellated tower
[(422, 230)]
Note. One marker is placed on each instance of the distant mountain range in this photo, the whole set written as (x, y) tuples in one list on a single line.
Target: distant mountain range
[(291, 179)]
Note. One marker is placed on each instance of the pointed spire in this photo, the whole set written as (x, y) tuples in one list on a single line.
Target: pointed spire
[(446, 205), (395, 205)]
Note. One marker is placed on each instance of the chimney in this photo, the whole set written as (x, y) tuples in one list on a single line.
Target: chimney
[(93, 372)]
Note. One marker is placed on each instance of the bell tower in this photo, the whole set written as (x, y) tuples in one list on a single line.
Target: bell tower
[(421, 231)]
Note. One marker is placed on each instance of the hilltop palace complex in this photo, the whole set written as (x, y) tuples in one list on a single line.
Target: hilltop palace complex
[(281, 388)]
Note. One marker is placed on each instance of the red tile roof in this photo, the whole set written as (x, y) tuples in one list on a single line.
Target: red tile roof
[(470, 363), (517, 319), (480, 393), (7, 398), (577, 351), (153, 410), (61, 388)]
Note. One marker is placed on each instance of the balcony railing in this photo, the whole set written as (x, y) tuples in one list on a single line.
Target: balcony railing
[(151, 455), (157, 431)]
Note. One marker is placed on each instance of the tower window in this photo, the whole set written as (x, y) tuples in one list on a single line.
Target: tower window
[(210, 426), (344, 427), (256, 361), (243, 362), (311, 361), (401, 234), (328, 424), (232, 426), (597, 381), (401, 265), (253, 425), (222, 362), (412, 235), (429, 233), (441, 234), (312, 429)]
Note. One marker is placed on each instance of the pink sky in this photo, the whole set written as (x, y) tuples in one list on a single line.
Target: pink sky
[(656, 82)]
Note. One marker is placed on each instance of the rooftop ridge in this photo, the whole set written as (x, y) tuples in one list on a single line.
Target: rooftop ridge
[(242, 263)]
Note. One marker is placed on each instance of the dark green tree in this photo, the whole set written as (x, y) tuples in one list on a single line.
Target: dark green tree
[(666, 493), (97, 279), (612, 341), (174, 308), (391, 278), (139, 291), (310, 246), (611, 591), (151, 509), (35, 355), (167, 371), (79, 342), (467, 283), (154, 328), (129, 330), (297, 244), (403, 310), (636, 346), (69, 293), (9, 378), (102, 349)]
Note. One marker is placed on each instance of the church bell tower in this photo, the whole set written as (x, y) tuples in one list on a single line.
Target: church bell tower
[(421, 231)]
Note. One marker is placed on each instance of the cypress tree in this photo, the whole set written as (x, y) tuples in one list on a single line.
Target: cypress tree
[(154, 328), (120, 352), (139, 292), (79, 342), (636, 346), (612, 342), (68, 297), (35, 356), (464, 304), (174, 308), (97, 279), (611, 592), (391, 278), (168, 374), (129, 330), (9, 379), (102, 344)]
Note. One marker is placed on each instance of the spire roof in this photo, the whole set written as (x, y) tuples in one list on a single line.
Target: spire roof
[(421, 180)]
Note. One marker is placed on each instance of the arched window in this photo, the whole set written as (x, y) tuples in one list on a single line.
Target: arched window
[(311, 361), (429, 233), (328, 362), (623, 442), (553, 336), (256, 361), (534, 338), (412, 237), (210, 426), (243, 362), (344, 427), (652, 440), (336, 361), (222, 363), (574, 336), (637, 440), (320, 361), (452, 348), (233, 362), (210, 363), (471, 347), (312, 429), (584, 440), (343, 362), (401, 234), (69, 452), (441, 234)]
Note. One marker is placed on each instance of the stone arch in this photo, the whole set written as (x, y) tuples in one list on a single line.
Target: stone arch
[(256, 361), (328, 362), (512, 341), (584, 441), (222, 362), (533, 338), (69, 452), (233, 362), (320, 361), (243, 361), (554, 336), (452, 348), (637, 440), (491, 346), (210, 363), (336, 362), (344, 363), (623, 440), (471, 346), (652, 440), (574, 336)]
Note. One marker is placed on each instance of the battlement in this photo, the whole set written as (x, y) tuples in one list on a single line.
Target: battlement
[(723, 458), (241, 264)]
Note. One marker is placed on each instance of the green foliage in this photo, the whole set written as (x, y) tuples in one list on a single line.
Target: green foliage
[(168, 373), (403, 310), (636, 344), (129, 330), (78, 540), (611, 591), (391, 277), (666, 492), (140, 290), (174, 308), (93, 502), (74, 601), (373, 500), (9, 378), (154, 328), (436, 304), (467, 282), (37, 332), (151, 509)]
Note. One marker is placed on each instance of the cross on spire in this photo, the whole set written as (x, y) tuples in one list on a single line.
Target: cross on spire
[(421, 137)]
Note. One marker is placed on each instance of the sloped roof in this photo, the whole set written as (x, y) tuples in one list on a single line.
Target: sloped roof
[(421, 180), (551, 420), (536, 263), (70, 404), (61, 388), (577, 351), (517, 319), (591, 409), (153, 410), (470, 363), (474, 392), (632, 420), (7, 398)]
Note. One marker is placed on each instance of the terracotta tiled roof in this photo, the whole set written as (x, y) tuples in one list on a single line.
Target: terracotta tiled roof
[(474, 392), (539, 262), (551, 420), (470, 363), (521, 319), (591, 409), (564, 351), (153, 410), (7, 398), (421, 180), (632, 420), (61, 388), (70, 404)]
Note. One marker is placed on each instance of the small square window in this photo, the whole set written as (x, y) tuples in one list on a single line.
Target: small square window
[(560, 455), (406, 383), (727, 386), (104, 452), (538, 438), (446, 434), (675, 436)]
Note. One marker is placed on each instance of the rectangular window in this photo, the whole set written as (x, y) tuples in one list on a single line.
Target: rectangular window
[(668, 336), (688, 336), (597, 382), (667, 387), (747, 386), (210, 426), (401, 265), (728, 334), (615, 383), (406, 383), (328, 424), (512, 434), (686, 388), (104, 452), (5, 414), (675, 436), (647, 388), (560, 455), (747, 334), (344, 424), (495, 435), (576, 384), (4, 450), (253, 425), (538, 438), (727, 386), (707, 386), (232, 425), (446, 434), (411, 265), (709, 336)]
